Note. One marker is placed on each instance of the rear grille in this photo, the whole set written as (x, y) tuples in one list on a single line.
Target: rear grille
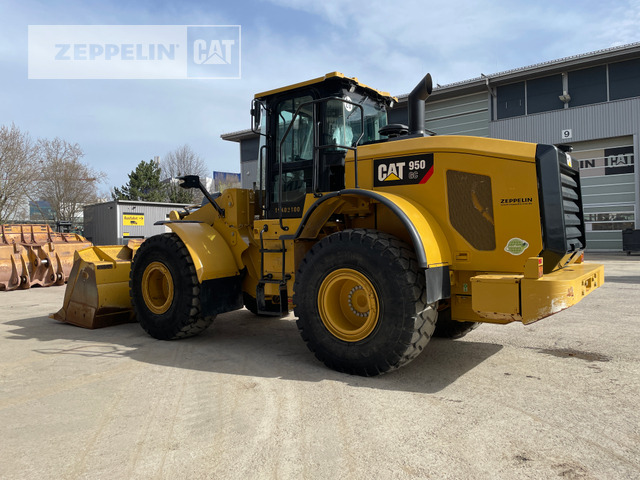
[(571, 203), (563, 233)]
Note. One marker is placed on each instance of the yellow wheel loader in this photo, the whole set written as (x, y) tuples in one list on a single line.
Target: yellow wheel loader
[(376, 235)]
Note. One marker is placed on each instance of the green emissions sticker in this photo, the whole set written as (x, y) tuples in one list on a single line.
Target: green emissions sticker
[(516, 246)]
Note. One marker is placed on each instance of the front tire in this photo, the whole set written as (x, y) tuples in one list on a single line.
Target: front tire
[(164, 289), (361, 302)]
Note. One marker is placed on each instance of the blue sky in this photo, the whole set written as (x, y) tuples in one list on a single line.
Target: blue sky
[(118, 123)]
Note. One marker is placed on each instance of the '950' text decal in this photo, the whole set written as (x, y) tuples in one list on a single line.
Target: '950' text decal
[(409, 170)]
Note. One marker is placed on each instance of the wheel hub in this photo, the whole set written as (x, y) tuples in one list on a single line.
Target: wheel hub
[(358, 301), (348, 305), (157, 287)]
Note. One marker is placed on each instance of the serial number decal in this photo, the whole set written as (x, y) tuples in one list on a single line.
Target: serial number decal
[(411, 170), (289, 209)]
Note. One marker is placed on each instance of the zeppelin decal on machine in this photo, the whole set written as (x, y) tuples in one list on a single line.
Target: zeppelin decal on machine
[(410, 170)]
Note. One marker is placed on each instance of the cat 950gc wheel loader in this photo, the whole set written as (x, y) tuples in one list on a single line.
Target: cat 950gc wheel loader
[(376, 235)]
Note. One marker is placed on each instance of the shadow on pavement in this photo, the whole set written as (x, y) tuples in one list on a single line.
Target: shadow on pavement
[(239, 343), (631, 279)]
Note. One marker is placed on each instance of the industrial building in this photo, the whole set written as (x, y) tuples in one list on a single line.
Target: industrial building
[(589, 101), (118, 221)]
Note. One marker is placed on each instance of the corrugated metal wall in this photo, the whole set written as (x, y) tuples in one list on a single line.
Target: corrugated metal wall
[(465, 115), (149, 214), (599, 126), (115, 223), (249, 150), (249, 173), (603, 120), (99, 223), (608, 194)]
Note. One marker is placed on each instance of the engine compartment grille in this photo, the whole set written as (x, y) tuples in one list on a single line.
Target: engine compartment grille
[(561, 214), (572, 207)]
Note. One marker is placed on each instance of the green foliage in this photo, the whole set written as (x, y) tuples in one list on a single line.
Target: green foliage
[(144, 184), (181, 195)]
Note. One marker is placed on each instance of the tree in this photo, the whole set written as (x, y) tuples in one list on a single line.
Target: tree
[(179, 162), (63, 180), (17, 158), (144, 184)]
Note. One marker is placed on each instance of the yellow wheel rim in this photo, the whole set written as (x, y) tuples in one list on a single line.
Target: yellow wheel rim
[(157, 288), (348, 305)]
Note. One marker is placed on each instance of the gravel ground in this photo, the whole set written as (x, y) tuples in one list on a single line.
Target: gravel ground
[(246, 399)]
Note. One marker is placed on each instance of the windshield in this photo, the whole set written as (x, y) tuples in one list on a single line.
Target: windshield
[(343, 120)]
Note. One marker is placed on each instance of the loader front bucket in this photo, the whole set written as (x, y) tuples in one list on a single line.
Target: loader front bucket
[(97, 293)]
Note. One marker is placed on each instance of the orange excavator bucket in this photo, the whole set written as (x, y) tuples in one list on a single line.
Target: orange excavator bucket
[(97, 293), (36, 255)]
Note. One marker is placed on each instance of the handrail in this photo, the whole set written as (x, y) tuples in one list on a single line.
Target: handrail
[(261, 186)]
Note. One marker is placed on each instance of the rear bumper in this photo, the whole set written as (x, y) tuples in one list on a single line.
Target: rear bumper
[(506, 298)]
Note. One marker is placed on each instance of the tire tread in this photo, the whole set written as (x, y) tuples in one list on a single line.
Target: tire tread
[(421, 323), (189, 321)]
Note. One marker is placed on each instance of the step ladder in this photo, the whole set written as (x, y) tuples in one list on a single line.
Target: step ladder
[(261, 303)]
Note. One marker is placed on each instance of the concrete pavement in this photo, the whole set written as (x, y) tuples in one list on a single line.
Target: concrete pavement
[(246, 399)]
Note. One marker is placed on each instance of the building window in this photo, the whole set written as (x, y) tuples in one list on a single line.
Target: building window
[(588, 86), (609, 217), (510, 100), (543, 94), (624, 79)]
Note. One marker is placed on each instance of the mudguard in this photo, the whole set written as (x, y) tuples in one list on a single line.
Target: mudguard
[(430, 244), (423, 228), (212, 255)]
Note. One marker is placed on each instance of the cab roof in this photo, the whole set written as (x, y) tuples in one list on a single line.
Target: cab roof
[(313, 81)]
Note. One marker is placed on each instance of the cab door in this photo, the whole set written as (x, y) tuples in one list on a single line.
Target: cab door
[(290, 167)]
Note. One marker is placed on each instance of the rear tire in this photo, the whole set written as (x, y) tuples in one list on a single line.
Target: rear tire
[(361, 302), (452, 329), (251, 304), (164, 289)]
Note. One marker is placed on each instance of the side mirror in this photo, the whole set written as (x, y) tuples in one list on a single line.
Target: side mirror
[(256, 115), (189, 181), (193, 181)]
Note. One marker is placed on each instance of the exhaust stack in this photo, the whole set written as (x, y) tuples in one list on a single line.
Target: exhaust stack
[(416, 101)]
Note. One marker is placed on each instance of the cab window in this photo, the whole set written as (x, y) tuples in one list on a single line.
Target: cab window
[(294, 151)]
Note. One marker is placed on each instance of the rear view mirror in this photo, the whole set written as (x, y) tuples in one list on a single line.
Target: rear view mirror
[(189, 181), (256, 115)]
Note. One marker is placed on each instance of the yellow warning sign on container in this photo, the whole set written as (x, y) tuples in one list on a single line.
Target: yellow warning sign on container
[(136, 219)]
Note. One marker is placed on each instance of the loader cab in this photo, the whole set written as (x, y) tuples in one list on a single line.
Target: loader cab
[(306, 132)]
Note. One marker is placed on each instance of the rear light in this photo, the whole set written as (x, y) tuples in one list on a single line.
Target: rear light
[(534, 267)]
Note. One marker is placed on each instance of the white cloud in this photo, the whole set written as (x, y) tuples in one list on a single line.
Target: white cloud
[(459, 39), (389, 46)]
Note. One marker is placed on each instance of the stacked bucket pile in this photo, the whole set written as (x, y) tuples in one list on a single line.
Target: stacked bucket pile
[(36, 255)]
